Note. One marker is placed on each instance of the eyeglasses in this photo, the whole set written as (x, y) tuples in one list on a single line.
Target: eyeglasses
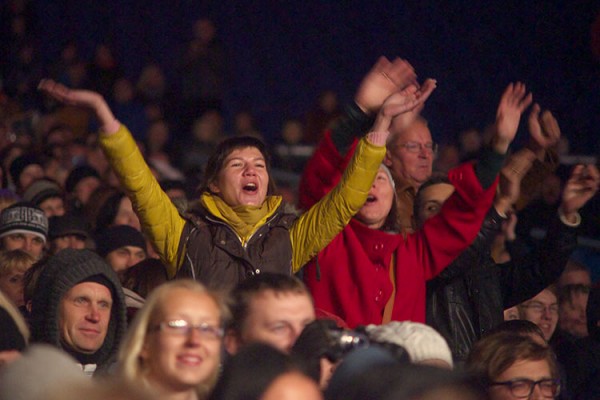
[(523, 388), (181, 327), (539, 308), (415, 147)]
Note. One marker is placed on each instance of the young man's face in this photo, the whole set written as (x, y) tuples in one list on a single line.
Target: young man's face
[(277, 318), (542, 310), (431, 200), (125, 257), (84, 316), (28, 242)]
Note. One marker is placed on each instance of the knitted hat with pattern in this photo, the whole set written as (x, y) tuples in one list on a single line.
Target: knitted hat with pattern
[(23, 217), (421, 341), (41, 190)]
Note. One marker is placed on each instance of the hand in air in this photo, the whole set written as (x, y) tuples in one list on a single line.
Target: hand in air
[(544, 129), (512, 104), (580, 188)]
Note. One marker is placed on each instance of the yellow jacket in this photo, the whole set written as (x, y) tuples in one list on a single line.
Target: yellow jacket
[(311, 232)]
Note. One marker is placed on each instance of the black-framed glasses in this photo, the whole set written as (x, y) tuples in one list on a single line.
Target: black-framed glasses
[(181, 327), (415, 147), (523, 388)]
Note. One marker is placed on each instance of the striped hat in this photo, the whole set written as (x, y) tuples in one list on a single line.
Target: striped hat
[(23, 217)]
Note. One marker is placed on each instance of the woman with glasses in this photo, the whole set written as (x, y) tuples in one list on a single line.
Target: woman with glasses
[(174, 344), (515, 367)]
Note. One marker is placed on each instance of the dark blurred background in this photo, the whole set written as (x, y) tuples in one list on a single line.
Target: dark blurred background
[(281, 55)]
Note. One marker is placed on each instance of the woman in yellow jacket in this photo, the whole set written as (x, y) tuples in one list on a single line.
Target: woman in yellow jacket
[(239, 228)]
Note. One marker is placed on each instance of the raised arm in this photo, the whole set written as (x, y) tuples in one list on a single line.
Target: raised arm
[(323, 221), (159, 217)]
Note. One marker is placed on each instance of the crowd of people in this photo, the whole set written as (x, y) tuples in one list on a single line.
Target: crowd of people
[(389, 269)]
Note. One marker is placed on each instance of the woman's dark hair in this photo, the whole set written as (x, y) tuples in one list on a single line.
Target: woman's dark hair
[(521, 327), (108, 211), (224, 149)]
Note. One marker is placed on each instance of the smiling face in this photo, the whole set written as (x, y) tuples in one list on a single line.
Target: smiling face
[(243, 179), (84, 315), (379, 202), (180, 362), (542, 310)]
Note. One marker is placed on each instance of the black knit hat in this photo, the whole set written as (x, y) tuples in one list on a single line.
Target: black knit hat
[(41, 190), (77, 174), (23, 217), (67, 225), (61, 272), (118, 236), (20, 163)]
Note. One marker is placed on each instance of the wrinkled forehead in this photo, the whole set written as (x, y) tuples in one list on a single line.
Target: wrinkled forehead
[(416, 131)]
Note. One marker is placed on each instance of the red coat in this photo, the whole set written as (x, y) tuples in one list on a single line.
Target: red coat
[(350, 277)]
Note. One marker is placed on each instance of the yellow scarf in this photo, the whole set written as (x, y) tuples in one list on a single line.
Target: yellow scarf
[(244, 220)]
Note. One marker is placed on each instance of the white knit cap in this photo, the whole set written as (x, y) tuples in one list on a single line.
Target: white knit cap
[(389, 174), (421, 341)]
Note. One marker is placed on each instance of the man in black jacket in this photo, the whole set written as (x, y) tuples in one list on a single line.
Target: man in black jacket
[(469, 297)]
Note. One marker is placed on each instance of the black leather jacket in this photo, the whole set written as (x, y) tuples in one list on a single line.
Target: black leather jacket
[(468, 298)]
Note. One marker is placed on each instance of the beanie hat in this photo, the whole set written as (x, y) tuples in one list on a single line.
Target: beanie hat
[(67, 225), (23, 217), (421, 341), (115, 237), (20, 163), (62, 272), (78, 174), (41, 190)]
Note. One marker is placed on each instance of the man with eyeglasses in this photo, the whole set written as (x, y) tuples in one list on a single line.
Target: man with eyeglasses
[(542, 310), (79, 307)]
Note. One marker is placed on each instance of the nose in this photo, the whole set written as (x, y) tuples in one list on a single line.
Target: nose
[(130, 261), (193, 338), (93, 313), (537, 393)]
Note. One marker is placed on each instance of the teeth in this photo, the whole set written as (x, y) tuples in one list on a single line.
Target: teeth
[(251, 185)]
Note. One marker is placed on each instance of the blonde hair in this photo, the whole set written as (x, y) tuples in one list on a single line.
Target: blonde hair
[(15, 260), (131, 366), (16, 316)]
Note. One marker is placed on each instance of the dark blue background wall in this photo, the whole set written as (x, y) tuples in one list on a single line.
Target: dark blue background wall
[(282, 54)]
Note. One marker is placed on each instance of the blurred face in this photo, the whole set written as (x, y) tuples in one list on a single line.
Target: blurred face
[(125, 257), (243, 179), (542, 310), (11, 284), (30, 174), (379, 202), (68, 242), (126, 215), (84, 315), (432, 199), (54, 206), (277, 318), (412, 167), (572, 315), (577, 277), (292, 386), (179, 360), (28, 242), (521, 369), (85, 187)]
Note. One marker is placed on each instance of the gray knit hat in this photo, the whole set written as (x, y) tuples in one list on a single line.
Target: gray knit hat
[(421, 341), (61, 272), (41, 190), (23, 217)]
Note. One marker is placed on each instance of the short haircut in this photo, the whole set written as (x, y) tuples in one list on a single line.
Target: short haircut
[(434, 179), (521, 327), (494, 354), (216, 161), (15, 261), (245, 291), (567, 292)]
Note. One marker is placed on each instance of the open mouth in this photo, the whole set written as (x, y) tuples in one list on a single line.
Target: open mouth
[(250, 187), (371, 199)]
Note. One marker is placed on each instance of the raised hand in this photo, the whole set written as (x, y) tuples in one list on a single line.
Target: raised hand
[(81, 98), (580, 188), (401, 102), (511, 175), (384, 79), (512, 104), (544, 130)]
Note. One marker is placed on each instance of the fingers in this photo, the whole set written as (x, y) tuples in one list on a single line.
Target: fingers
[(515, 95), (401, 73)]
